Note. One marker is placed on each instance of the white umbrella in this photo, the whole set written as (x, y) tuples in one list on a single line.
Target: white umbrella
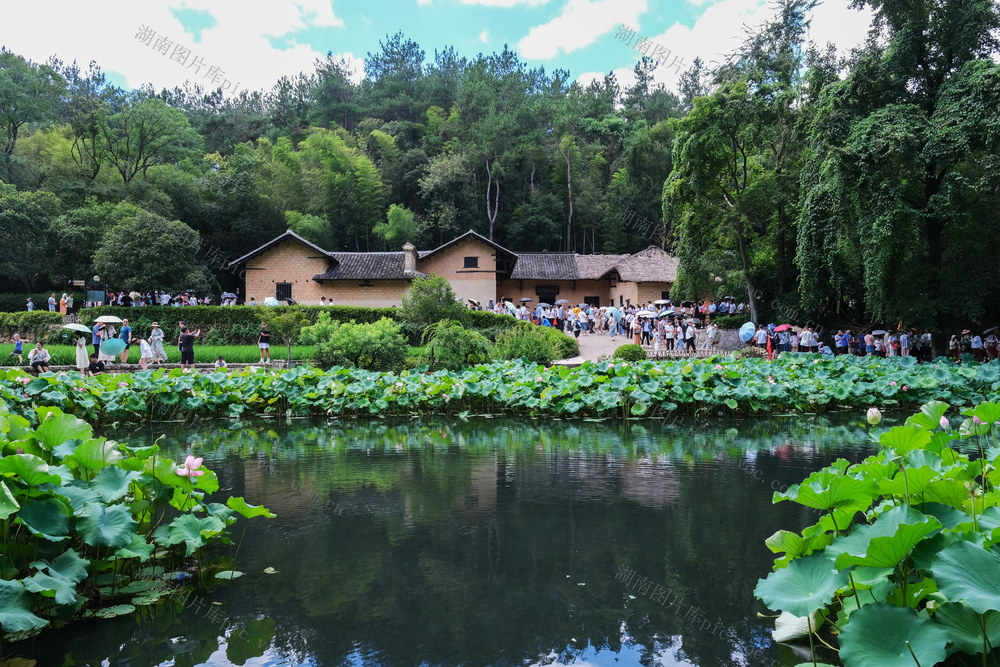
[(108, 319), (661, 302), (77, 327), (271, 301), (645, 313)]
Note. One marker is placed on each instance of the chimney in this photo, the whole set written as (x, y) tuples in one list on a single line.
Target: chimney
[(409, 258)]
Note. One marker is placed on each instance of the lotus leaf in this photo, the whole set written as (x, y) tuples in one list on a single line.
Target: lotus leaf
[(109, 526), (963, 625), (15, 608), (880, 635), (47, 519), (805, 585), (968, 573)]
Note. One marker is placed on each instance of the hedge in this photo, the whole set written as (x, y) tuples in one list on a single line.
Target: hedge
[(31, 325), (240, 324)]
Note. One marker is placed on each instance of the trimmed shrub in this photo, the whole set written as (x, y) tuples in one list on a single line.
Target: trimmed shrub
[(322, 330), (451, 346), (376, 347), (566, 346), (531, 344), (730, 321), (630, 352), (34, 325), (430, 300)]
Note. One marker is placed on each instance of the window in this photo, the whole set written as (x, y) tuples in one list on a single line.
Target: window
[(472, 262), (547, 294), (592, 301), (665, 296), (283, 291)]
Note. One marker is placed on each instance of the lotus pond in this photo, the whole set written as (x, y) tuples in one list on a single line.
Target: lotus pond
[(488, 541)]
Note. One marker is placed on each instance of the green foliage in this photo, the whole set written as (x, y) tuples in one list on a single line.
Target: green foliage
[(400, 227), (530, 344), (451, 346), (629, 352), (903, 555), (310, 227), (378, 346), (729, 321), (112, 493), (32, 325), (286, 325), (322, 330), (430, 300)]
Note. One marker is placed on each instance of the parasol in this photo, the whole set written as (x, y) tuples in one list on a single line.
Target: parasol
[(544, 305), (113, 346), (475, 301), (134, 295), (661, 302), (990, 330), (525, 299), (747, 332), (965, 331), (645, 313), (108, 319), (270, 301), (562, 302), (77, 327), (783, 327), (879, 332)]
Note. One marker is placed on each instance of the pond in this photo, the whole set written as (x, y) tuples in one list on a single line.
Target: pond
[(487, 541)]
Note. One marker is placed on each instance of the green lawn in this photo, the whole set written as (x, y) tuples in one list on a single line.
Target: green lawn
[(203, 354)]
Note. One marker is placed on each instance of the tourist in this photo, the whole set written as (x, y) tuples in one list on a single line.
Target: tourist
[(851, 342), (636, 331), (647, 331), (95, 337), (953, 345), (977, 347), (689, 336), (52, 303), (966, 342), (69, 304), (904, 344), (82, 359), (264, 343), (30, 305), (145, 354), (187, 348), (108, 332), (156, 343), (668, 334), (220, 363), (253, 301), (96, 366), (869, 344), (793, 341), (39, 358), (125, 335), (18, 349), (991, 346), (711, 335), (784, 341), (62, 304), (760, 337)]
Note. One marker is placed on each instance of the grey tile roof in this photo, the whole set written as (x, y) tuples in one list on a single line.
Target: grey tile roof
[(545, 266), (366, 266), (649, 265)]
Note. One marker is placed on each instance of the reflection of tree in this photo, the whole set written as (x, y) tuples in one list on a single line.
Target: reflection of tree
[(469, 542)]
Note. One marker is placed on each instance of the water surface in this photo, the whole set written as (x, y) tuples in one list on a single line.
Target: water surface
[(486, 542)]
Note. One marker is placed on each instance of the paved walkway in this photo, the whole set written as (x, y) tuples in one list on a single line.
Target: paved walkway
[(594, 346)]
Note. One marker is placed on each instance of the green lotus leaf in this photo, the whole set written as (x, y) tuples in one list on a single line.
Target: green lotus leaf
[(908, 483), (190, 531), (8, 505), (109, 526), (240, 505), (117, 610), (807, 584), (47, 519), (57, 429), (95, 454), (137, 548), (831, 491), (68, 565), (112, 483), (903, 439), (15, 609), (987, 411), (966, 572), (62, 590), (885, 543), (78, 496), (951, 492), (963, 625), (29, 469), (228, 574), (880, 635), (949, 517), (929, 416)]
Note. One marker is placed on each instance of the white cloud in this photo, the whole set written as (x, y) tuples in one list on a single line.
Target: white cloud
[(484, 37), (238, 44), (720, 30), (421, 3), (580, 24)]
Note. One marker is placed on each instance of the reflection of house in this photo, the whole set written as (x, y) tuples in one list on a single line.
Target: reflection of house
[(290, 267)]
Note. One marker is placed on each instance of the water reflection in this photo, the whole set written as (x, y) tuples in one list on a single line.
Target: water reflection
[(487, 542)]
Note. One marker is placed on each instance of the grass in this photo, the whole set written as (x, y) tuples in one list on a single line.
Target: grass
[(65, 355)]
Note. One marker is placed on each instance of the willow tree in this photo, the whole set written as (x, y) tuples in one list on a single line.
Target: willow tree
[(902, 186)]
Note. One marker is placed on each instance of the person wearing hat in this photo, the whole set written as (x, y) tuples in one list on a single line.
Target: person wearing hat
[(31, 304), (156, 344)]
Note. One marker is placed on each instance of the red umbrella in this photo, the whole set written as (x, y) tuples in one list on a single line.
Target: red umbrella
[(783, 327)]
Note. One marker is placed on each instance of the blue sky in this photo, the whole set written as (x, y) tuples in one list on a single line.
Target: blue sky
[(250, 43)]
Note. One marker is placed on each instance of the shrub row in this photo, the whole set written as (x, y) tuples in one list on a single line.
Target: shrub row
[(30, 325), (240, 324)]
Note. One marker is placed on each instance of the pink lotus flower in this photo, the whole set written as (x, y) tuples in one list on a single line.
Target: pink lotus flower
[(977, 420), (191, 465), (892, 384), (122, 384), (24, 380), (905, 387), (945, 424)]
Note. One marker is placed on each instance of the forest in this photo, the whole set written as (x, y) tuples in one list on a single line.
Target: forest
[(855, 188)]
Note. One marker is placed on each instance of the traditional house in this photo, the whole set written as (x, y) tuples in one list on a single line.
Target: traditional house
[(290, 267)]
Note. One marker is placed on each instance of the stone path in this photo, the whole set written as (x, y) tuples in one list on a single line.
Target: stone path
[(594, 346)]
